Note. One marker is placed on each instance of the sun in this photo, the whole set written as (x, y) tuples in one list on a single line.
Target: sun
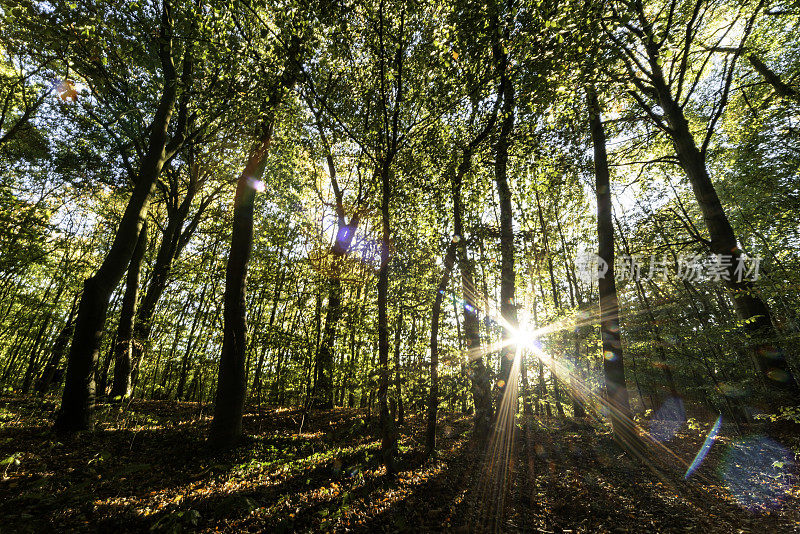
[(523, 338)]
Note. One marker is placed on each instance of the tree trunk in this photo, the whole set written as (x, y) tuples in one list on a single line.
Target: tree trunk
[(389, 438), (276, 297), (34, 314), (122, 352), (783, 89), (398, 401), (34, 357), (173, 240), (76, 412), (479, 374), (508, 306), (189, 345), (323, 392), (661, 354), (543, 389), (345, 232), (750, 308), (226, 427), (613, 366), (433, 396), (59, 346)]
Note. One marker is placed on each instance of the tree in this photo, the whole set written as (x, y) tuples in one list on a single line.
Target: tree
[(79, 391), (226, 427), (613, 364), (686, 25)]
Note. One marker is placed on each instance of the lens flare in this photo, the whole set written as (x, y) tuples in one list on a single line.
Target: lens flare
[(701, 454), (258, 185), (523, 339), (668, 420), (758, 472)]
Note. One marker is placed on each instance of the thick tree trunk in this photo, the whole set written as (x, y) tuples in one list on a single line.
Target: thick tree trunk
[(79, 390), (226, 427), (613, 366), (750, 307), (122, 352), (433, 395)]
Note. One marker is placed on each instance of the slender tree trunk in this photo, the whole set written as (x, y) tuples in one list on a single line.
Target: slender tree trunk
[(613, 366), (323, 393), (389, 438), (398, 401), (508, 306), (34, 350), (18, 345), (660, 354), (226, 427), (433, 395), (344, 238), (276, 297), (122, 352), (578, 409), (59, 346), (543, 390), (479, 374), (189, 345), (172, 244)]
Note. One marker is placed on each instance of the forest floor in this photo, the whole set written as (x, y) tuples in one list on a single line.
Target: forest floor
[(146, 469)]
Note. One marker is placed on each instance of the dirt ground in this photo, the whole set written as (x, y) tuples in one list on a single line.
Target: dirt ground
[(146, 469)]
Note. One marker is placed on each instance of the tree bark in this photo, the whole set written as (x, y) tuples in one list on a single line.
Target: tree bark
[(508, 306), (398, 389), (173, 240), (59, 346), (345, 232), (750, 307), (276, 296), (76, 412), (122, 352), (613, 366), (783, 89), (479, 374), (226, 427), (389, 439), (433, 395)]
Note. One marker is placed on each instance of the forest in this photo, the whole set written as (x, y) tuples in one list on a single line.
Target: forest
[(399, 266)]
